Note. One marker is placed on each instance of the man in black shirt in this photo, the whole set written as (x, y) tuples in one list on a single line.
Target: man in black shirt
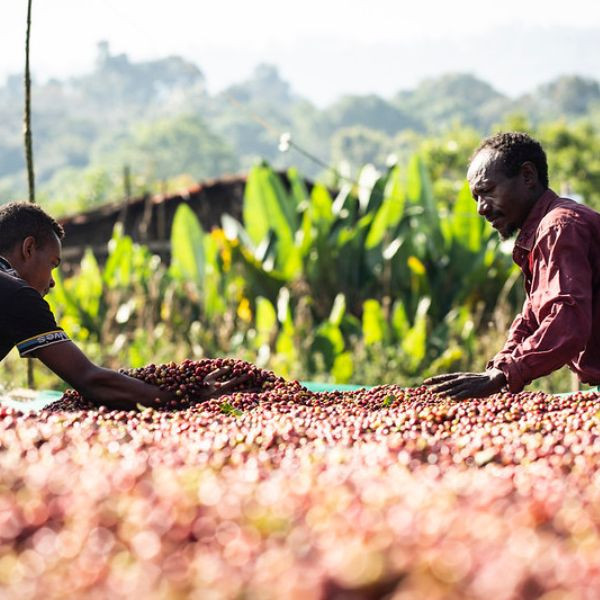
[(30, 249)]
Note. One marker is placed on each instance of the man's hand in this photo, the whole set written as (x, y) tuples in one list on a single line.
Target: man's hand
[(468, 385), (216, 388)]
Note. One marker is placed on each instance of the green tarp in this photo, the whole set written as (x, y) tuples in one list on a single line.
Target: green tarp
[(316, 386)]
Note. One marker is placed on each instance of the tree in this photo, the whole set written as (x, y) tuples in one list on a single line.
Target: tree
[(458, 97), (360, 145), (370, 112), (566, 97), (166, 148)]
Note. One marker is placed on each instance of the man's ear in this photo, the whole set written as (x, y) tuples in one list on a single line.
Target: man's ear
[(28, 247), (530, 174)]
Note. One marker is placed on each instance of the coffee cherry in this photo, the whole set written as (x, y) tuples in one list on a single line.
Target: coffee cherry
[(273, 491)]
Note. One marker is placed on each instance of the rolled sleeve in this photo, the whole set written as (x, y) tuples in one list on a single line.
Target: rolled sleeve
[(32, 324)]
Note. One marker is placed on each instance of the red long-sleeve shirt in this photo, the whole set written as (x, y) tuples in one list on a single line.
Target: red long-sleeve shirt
[(558, 251)]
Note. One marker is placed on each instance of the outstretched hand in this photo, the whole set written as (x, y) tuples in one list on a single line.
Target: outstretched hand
[(215, 388), (467, 385)]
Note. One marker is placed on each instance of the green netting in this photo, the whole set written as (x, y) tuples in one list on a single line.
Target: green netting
[(37, 402), (317, 386)]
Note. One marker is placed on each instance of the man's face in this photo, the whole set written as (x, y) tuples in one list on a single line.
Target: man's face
[(503, 201), (41, 261)]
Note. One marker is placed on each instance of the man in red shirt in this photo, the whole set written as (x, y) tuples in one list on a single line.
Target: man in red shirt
[(558, 251)]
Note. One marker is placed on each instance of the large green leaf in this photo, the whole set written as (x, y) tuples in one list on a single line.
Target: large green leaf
[(266, 321), (259, 281), (467, 224), (267, 206), (87, 288), (400, 323), (343, 367), (290, 262), (329, 341), (321, 206), (338, 310), (419, 193), (395, 193), (254, 210), (284, 309), (214, 302), (414, 343), (373, 324), (60, 299), (118, 268), (305, 235), (285, 345), (368, 178), (234, 230), (187, 247), (78, 300), (299, 193), (418, 187), (391, 210)]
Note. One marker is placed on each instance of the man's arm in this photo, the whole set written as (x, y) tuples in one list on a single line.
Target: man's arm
[(560, 302), (97, 384), (35, 333), (116, 390), (474, 385)]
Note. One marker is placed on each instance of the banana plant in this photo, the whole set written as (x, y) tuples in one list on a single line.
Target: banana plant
[(195, 260)]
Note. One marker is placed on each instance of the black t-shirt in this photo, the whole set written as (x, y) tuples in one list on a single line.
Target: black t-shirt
[(26, 320)]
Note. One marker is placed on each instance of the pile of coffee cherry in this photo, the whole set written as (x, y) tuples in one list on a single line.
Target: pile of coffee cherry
[(188, 382)]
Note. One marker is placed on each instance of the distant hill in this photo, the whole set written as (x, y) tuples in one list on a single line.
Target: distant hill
[(566, 97), (462, 97), (466, 99), (157, 118)]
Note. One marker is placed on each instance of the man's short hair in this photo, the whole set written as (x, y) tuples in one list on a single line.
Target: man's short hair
[(514, 149), (19, 220)]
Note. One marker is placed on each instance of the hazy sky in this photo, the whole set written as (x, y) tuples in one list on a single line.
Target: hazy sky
[(323, 47)]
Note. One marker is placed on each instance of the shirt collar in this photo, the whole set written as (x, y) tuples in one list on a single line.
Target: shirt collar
[(526, 236), (6, 267)]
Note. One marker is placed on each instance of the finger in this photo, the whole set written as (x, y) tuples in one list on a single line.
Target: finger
[(447, 391), (457, 392), (462, 393), (445, 377), (216, 392), (212, 377), (233, 383), (469, 390), (220, 388), (447, 386)]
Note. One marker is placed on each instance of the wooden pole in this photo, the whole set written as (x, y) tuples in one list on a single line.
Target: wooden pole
[(28, 150), (127, 192), (27, 118)]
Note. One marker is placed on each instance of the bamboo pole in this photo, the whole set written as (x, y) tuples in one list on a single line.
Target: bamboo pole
[(28, 150), (27, 118)]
